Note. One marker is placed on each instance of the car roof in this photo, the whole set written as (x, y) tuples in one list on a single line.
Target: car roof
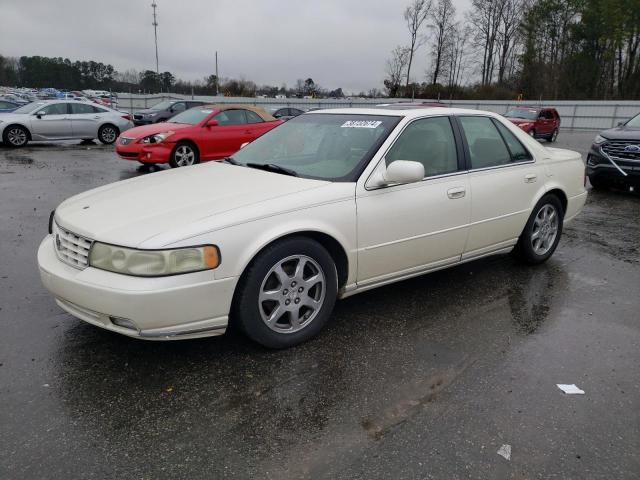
[(411, 112), (231, 106)]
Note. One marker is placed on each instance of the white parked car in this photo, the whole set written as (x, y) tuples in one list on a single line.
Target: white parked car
[(62, 120), (327, 205)]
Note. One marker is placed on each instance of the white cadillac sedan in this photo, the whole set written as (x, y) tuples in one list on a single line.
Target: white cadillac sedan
[(329, 204)]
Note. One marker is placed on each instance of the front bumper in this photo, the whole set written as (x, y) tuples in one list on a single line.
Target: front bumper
[(600, 167), (146, 153), (163, 308)]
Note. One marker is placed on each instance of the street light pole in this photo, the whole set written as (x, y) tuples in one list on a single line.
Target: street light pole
[(154, 5)]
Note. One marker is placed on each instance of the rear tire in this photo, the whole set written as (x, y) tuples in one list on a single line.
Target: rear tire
[(553, 137), (107, 134), (542, 232), (184, 154), (15, 136), (532, 133), (287, 294)]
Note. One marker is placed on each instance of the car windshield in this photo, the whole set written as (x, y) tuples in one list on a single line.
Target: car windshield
[(634, 122), (190, 117), (322, 146), (522, 113), (30, 107), (162, 105)]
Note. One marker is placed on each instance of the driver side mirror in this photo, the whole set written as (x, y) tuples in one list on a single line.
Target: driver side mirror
[(398, 171), (620, 124), (212, 123), (41, 113)]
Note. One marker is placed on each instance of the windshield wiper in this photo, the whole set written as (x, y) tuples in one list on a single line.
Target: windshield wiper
[(230, 160), (272, 167)]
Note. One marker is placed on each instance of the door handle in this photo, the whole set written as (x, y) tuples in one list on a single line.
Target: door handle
[(530, 178), (456, 192), (96, 118)]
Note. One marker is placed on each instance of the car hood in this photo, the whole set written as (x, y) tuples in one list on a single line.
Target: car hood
[(149, 110), (165, 204), (146, 130), (621, 133)]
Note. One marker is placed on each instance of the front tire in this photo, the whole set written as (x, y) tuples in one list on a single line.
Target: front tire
[(597, 183), (107, 134), (183, 155), (532, 133), (287, 294), (15, 136), (542, 232), (553, 137)]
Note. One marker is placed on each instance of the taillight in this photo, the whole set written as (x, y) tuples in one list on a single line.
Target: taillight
[(126, 117)]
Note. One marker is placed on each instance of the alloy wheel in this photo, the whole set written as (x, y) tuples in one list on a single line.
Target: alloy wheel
[(184, 156), (17, 137), (292, 294), (109, 134), (545, 229)]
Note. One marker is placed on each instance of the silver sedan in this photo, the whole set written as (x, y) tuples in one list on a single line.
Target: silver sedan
[(62, 120)]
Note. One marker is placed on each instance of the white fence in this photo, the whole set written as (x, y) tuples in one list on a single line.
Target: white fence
[(575, 115)]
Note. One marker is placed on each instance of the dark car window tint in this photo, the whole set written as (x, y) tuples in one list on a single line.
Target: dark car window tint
[(253, 117), (518, 152), (429, 141), (281, 112), (56, 109), (295, 111), (486, 146), (231, 117), (79, 108)]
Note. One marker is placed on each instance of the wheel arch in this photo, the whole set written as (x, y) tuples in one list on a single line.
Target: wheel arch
[(186, 140), (18, 124), (336, 250)]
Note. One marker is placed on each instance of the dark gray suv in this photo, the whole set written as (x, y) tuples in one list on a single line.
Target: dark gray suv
[(163, 111)]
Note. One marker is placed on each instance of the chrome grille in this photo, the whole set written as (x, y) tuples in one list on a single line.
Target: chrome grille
[(71, 248), (625, 149), (137, 116)]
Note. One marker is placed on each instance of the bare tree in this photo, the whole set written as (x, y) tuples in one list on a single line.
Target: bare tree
[(485, 18), (456, 55), (415, 15), (395, 69), (509, 35), (443, 20)]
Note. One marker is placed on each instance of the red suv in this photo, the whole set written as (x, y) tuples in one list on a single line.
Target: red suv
[(539, 122)]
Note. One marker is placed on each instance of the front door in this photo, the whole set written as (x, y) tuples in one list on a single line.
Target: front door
[(53, 124), (226, 138), (412, 227), (504, 183)]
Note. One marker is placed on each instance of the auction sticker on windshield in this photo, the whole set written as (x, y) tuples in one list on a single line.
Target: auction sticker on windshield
[(361, 124)]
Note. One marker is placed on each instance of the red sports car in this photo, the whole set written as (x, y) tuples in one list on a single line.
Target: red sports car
[(209, 132)]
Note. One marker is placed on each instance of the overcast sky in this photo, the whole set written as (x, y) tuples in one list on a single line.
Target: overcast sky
[(338, 43)]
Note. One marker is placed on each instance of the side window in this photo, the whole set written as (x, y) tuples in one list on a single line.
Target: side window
[(253, 117), (231, 117), (518, 152), (78, 108), (429, 141), (486, 146), (546, 114), (5, 105), (56, 109), (178, 107), (98, 109)]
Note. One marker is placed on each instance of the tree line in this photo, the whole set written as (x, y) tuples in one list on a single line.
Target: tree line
[(64, 74), (530, 49)]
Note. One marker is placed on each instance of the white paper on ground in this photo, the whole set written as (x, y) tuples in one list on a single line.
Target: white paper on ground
[(570, 389), (505, 451)]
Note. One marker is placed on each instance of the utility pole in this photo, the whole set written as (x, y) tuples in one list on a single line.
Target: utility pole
[(217, 77), (154, 5)]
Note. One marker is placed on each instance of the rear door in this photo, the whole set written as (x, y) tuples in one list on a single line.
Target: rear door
[(85, 120), (504, 183), (545, 122), (55, 122)]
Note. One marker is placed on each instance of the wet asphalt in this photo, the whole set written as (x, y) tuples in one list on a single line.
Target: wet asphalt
[(422, 379)]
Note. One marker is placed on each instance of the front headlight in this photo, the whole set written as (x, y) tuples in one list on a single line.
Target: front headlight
[(599, 139), (153, 263), (157, 138)]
